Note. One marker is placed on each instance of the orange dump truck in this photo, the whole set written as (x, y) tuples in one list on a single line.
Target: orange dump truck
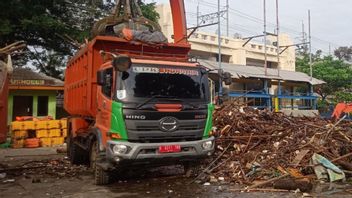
[(133, 103)]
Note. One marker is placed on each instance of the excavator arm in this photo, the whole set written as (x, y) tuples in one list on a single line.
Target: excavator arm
[(179, 21), (341, 108)]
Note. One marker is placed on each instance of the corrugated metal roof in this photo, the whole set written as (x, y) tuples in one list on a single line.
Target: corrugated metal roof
[(243, 71)]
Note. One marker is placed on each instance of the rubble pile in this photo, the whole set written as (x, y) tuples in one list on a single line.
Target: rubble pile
[(257, 145)]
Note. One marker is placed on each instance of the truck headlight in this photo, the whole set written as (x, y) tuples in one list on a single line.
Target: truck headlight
[(120, 149), (207, 145)]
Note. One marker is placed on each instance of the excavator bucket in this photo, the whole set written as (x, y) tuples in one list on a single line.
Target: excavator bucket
[(128, 22)]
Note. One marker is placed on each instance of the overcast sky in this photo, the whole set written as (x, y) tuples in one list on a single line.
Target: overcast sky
[(331, 19)]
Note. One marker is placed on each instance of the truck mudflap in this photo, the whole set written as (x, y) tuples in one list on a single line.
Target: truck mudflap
[(147, 152)]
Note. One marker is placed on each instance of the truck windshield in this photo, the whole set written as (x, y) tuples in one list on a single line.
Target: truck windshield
[(146, 81)]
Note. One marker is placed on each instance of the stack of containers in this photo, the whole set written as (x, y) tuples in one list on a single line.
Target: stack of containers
[(20, 132), (49, 132)]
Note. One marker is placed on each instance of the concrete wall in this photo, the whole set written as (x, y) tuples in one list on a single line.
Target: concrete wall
[(250, 54), (35, 94)]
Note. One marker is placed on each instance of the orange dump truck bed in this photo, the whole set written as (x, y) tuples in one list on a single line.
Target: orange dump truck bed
[(81, 71)]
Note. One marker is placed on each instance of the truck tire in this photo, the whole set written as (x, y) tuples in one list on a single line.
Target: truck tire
[(75, 153), (101, 177)]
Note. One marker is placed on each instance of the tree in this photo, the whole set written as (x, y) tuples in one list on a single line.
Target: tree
[(52, 28), (336, 73), (343, 96), (148, 10), (344, 53)]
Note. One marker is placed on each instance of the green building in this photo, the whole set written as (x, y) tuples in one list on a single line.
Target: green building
[(34, 94)]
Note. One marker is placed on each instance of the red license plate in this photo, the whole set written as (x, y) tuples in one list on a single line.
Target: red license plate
[(169, 149)]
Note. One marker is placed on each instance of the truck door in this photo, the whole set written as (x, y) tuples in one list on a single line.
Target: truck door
[(104, 99)]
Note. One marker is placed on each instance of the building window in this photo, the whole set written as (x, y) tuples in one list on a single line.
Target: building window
[(213, 38), (227, 41), (43, 102), (260, 47), (22, 106), (204, 37), (253, 46)]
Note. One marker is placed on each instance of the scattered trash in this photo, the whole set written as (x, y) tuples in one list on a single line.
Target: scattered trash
[(206, 184), (2, 175), (9, 181), (213, 179), (260, 148), (324, 169), (306, 195)]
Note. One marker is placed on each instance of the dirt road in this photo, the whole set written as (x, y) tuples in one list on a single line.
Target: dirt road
[(54, 177)]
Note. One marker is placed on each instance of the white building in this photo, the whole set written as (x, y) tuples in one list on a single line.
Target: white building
[(205, 46)]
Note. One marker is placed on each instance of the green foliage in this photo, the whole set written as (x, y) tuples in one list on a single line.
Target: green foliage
[(336, 73), (36, 22), (149, 11), (323, 106), (342, 96)]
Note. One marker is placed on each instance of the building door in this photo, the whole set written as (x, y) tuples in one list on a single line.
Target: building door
[(22, 106), (43, 105)]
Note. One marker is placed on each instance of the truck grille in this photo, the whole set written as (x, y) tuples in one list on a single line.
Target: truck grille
[(144, 131), (155, 128)]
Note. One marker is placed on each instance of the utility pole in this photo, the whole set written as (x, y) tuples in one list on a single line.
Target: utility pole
[(198, 14), (265, 35), (277, 38), (219, 46), (329, 49), (310, 47), (304, 39), (227, 18)]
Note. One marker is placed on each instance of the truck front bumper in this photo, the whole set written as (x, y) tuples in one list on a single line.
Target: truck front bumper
[(144, 153)]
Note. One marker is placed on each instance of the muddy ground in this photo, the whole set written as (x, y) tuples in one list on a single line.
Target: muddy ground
[(68, 181)]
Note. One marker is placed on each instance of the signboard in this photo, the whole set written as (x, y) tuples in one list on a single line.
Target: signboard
[(28, 82)]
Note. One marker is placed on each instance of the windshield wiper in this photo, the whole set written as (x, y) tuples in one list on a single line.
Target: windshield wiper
[(151, 99)]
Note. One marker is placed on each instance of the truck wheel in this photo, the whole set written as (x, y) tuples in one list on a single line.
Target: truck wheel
[(101, 177), (74, 152)]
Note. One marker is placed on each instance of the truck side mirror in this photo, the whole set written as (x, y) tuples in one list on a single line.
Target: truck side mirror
[(121, 63), (101, 78), (227, 78)]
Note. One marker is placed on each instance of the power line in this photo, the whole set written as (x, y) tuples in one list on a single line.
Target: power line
[(260, 21)]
